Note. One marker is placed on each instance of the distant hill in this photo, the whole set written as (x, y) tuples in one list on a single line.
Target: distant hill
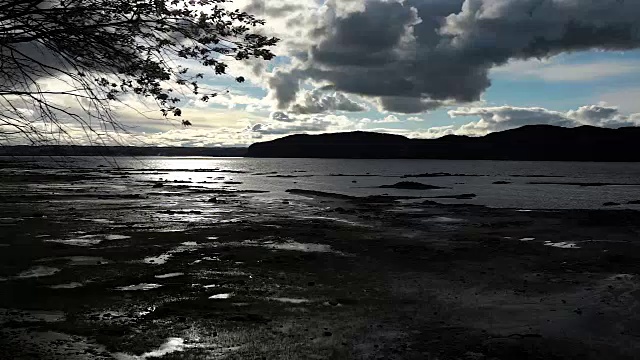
[(532, 142), (70, 150)]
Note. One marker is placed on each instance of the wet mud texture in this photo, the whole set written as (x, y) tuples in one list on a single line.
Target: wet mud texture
[(170, 273)]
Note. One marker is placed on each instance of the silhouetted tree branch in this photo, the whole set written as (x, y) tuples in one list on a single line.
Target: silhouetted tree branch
[(100, 51)]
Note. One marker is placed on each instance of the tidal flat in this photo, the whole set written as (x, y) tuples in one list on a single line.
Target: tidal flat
[(105, 264)]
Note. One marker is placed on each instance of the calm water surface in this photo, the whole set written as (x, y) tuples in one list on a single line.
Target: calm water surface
[(526, 185)]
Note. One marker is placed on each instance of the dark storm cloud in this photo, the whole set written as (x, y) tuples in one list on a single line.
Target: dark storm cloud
[(442, 50), (408, 105)]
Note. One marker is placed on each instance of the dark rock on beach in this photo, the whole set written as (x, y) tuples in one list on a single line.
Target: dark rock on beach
[(458, 197), (611, 203), (410, 185)]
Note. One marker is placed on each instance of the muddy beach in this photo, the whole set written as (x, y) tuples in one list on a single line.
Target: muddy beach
[(108, 264)]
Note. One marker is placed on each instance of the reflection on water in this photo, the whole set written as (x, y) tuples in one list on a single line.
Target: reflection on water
[(38, 271), (221, 296), (169, 275), (143, 287), (277, 175), (562, 245), (89, 240), (72, 285), (286, 245), (170, 346)]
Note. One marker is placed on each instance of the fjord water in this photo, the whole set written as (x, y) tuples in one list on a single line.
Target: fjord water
[(520, 185)]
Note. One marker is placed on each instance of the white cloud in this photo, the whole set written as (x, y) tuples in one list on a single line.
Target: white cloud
[(500, 118)]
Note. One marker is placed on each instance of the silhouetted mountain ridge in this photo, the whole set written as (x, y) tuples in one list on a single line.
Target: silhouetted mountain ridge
[(531, 142)]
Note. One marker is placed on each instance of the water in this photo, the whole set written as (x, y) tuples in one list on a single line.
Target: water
[(521, 185)]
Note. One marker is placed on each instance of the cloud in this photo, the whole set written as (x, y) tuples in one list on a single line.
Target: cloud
[(416, 55), (389, 119), (318, 101), (408, 105), (508, 117), (281, 116), (284, 124)]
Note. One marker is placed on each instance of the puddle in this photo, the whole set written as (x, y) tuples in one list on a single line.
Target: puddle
[(38, 271), (289, 300), (287, 246), (190, 243), (158, 260), (170, 275), (98, 221), (143, 287), (527, 239), (211, 286), (116, 237), (304, 247), (89, 240), (176, 344), (206, 258), (170, 346), (71, 285), (562, 245), (85, 240), (163, 258), (221, 296)]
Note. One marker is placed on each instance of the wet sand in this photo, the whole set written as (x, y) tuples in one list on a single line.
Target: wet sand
[(172, 273)]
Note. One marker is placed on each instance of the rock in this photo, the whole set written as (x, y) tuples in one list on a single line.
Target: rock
[(157, 185), (578, 311), (633, 202), (410, 185), (327, 333), (501, 182), (458, 197), (611, 203)]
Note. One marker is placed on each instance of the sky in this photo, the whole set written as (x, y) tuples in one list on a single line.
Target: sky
[(419, 68)]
